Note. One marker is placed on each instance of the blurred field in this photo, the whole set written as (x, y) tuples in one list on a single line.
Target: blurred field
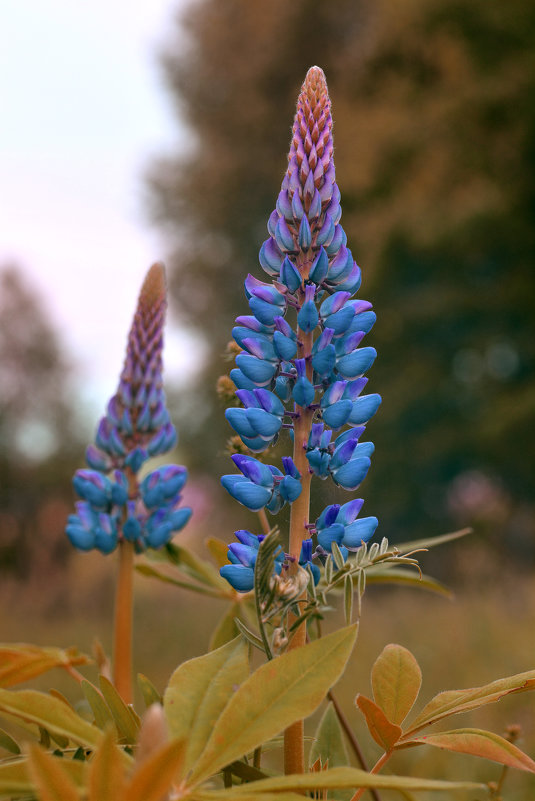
[(485, 632)]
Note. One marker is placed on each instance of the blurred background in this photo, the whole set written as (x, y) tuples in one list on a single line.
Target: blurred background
[(161, 132)]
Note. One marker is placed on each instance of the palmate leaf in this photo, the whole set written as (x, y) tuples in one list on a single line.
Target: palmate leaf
[(332, 779), (276, 695), (20, 662), (477, 742), (49, 713), (198, 692), (396, 681), (452, 702)]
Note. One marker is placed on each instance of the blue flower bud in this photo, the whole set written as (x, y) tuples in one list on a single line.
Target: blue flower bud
[(93, 487), (119, 490), (326, 231), (240, 423), (238, 576), (265, 425), (290, 275), (308, 317), (284, 206), (264, 311), (319, 462), (320, 267), (364, 408), (324, 360), (283, 236), (253, 496), (356, 363), (315, 207), (305, 235), (284, 347), (240, 379), (105, 533), (270, 257), (260, 347), (258, 371), (360, 531), (97, 459), (351, 474), (337, 414), (79, 536), (290, 489)]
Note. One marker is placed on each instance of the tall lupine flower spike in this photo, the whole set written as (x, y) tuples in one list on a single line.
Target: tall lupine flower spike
[(301, 366), (136, 426)]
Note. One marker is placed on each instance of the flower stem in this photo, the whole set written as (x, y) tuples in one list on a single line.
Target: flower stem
[(294, 740), (376, 768), (122, 652)]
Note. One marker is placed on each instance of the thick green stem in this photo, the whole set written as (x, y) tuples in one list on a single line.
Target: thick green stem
[(122, 652), (294, 748)]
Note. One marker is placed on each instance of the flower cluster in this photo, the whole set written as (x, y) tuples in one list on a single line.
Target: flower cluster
[(136, 426), (300, 359)]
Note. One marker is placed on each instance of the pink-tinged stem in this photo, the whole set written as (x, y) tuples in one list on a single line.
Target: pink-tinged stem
[(376, 768), (122, 651), (294, 741)]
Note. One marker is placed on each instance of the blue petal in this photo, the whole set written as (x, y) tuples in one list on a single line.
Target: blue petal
[(266, 425), (330, 534), (238, 576), (264, 311), (303, 392), (80, 537), (351, 474), (284, 347), (290, 275), (364, 408), (308, 317), (349, 511), (340, 320), (360, 531), (337, 414), (239, 421), (253, 496), (257, 370), (290, 489), (356, 363), (324, 360), (240, 379)]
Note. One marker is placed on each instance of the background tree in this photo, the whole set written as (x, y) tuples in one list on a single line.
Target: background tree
[(435, 124), (39, 443)]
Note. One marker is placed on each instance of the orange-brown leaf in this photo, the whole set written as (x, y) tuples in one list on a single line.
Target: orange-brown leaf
[(20, 662), (385, 733), (479, 743)]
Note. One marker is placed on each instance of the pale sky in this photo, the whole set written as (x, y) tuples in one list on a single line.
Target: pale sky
[(83, 111)]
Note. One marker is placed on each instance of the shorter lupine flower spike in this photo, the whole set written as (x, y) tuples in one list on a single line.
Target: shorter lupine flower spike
[(136, 426)]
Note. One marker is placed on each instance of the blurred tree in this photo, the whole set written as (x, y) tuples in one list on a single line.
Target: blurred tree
[(38, 440), (434, 108)]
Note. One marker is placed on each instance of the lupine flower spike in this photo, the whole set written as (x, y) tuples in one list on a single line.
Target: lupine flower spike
[(300, 365), (117, 510)]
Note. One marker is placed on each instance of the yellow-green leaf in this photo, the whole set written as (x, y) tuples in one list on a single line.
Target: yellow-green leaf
[(479, 743), (15, 781), (431, 542), (198, 692), (226, 630), (99, 707), (7, 742), (384, 574), (154, 777), (22, 661), (453, 701), (49, 777), (329, 747), (125, 718), (276, 695), (49, 713), (218, 550), (385, 733), (396, 682), (148, 690), (107, 771), (333, 778)]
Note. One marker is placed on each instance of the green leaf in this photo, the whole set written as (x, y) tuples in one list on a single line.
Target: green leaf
[(348, 599), (125, 718), (198, 692), (432, 542), (276, 695), (334, 778), (385, 733), (329, 747), (479, 743), (148, 690), (453, 701), (226, 630), (329, 741), (249, 635), (7, 742), (396, 682), (107, 771), (49, 713), (383, 574), (14, 778), (49, 777), (22, 661), (99, 707)]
